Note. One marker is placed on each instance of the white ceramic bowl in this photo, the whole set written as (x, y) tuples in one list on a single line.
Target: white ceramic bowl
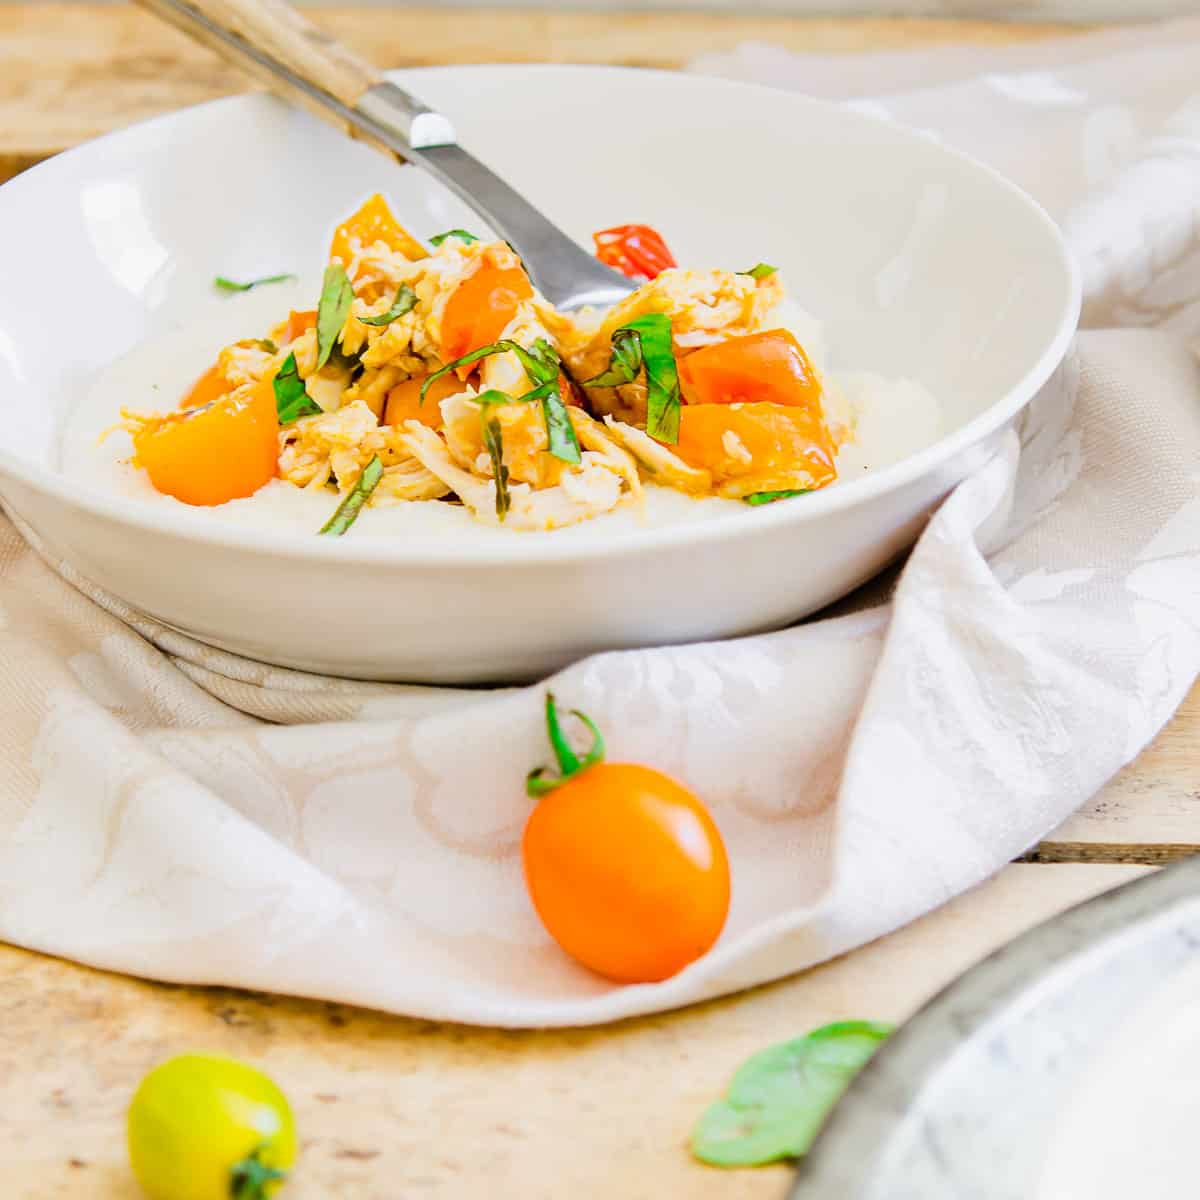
[(921, 262)]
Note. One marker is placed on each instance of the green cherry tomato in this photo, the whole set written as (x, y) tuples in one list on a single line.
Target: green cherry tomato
[(202, 1127)]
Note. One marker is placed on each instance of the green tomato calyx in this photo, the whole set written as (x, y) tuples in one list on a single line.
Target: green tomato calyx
[(537, 782)]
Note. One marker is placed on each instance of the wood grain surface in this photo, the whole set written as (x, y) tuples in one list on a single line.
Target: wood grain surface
[(390, 1109), (72, 71)]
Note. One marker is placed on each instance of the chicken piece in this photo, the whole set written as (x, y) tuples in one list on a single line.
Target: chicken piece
[(246, 361), (585, 491), (407, 480), (666, 467), (593, 436), (337, 446)]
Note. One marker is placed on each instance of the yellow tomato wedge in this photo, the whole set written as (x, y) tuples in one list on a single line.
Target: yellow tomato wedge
[(222, 451), (374, 223), (760, 368), (404, 401), (757, 447)]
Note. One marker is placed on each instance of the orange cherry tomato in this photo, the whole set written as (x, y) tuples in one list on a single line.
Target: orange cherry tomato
[(635, 250), (766, 368), (625, 867), (404, 401), (763, 446), (209, 455), (212, 385), (374, 223), (480, 307), (298, 323)]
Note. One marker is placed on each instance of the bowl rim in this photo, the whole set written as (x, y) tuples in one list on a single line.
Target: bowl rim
[(529, 549)]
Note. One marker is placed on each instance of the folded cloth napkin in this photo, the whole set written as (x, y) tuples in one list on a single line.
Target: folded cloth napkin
[(169, 810)]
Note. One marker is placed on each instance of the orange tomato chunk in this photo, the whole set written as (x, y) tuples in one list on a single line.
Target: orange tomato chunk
[(212, 385), (404, 401), (298, 323), (374, 223), (223, 451), (480, 307), (757, 447), (627, 871), (760, 368)]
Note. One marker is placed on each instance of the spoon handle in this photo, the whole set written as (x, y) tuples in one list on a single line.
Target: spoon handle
[(296, 60)]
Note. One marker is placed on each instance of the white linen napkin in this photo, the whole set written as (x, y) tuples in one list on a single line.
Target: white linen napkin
[(172, 811)]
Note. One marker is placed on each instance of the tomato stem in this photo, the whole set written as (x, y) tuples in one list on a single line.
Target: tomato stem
[(248, 1179), (537, 783)]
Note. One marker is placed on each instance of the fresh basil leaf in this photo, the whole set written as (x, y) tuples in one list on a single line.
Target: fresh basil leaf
[(405, 302), (267, 345), (779, 1098), (493, 441), (760, 271), (758, 498), (292, 400), (541, 364), (232, 285), (334, 307), (347, 512), (461, 234), (625, 363), (662, 378)]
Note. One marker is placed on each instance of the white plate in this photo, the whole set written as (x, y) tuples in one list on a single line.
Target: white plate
[(921, 262)]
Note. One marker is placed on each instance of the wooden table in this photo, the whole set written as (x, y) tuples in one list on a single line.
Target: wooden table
[(392, 1108)]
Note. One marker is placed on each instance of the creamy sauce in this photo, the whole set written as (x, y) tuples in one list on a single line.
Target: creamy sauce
[(893, 419), (1127, 1135)]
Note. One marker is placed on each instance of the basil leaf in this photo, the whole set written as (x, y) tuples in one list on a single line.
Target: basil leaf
[(662, 378), (405, 302), (292, 400), (334, 307), (760, 271), (493, 441), (267, 345), (232, 285), (461, 234), (347, 512), (541, 364), (625, 363), (779, 1098), (759, 498)]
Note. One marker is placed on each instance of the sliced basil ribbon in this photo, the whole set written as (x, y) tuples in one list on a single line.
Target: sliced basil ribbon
[(347, 512), (405, 302), (334, 307), (757, 498), (461, 234), (233, 285), (653, 352)]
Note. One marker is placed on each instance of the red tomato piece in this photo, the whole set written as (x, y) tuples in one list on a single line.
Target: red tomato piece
[(635, 250)]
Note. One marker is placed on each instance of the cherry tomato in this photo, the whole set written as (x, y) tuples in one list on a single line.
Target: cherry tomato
[(223, 451), (374, 223), (760, 368), (480, 307), (202, 1127), (298, 323), (404, 401), (212, 385), (635, 250), (764, 446), (624, 865)]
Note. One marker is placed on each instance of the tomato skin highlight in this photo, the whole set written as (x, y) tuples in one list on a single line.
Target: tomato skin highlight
[(196, 1117), (206, 456), (635, 250), (480, 308), (760, 368), (627, 871)]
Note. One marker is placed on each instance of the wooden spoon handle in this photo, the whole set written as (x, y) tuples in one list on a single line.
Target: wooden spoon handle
[(273, 42)]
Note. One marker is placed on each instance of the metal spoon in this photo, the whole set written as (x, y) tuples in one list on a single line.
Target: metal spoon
[(272, 41)]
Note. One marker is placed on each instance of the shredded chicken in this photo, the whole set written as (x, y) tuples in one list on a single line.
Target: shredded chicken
[(666, 468)]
